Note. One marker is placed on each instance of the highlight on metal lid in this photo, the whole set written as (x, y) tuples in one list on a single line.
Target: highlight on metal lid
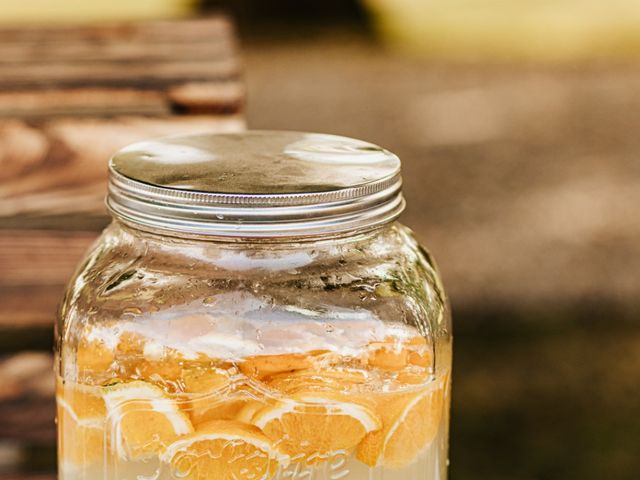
[(255, 184)]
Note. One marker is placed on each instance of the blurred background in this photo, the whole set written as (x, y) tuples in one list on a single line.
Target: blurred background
[(517, 123)]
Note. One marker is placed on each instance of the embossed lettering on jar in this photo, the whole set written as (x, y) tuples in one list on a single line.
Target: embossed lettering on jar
[(254, 311)]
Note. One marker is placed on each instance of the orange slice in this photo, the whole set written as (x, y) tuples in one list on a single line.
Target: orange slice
[(222, 409), (208, 392), (334, 380), (81, 440), (204, 380), (84, 401), (152, 362), (420, 353), (145, 359), (81, 425), (224, 449), (394, 354), (387, 355), (410, 422), (164, 373), (316, 426), (260, 366), (130, 344), (93, 358), (142, 419), (248, 410)]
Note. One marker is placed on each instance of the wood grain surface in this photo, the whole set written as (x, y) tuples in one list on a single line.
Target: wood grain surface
[(59, 167), (69, 98)]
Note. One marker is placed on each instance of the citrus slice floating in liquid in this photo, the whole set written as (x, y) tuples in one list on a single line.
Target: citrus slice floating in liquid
[(395, 353), (81, 424), (260, 366), (142, 419), (410, 423), (315, 426), (225, 449), (336, 380), (208, 393), (94, 358)]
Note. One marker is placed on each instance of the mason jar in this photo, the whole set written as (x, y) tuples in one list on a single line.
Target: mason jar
[(254, 311)]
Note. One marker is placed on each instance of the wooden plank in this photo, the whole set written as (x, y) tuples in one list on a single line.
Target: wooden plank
[(70, 222), (69, 98), (30, 476), (26, 375), (116, 49), (211, 28), (84, 101), (27, 398), (103, 74), (19, 336), (120, 69), (60, 166), (23, 253), (209, 97), (30, 420), (35, 265), (199, 98)]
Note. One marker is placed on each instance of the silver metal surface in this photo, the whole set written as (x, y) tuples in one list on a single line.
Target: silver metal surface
[(255, 184)]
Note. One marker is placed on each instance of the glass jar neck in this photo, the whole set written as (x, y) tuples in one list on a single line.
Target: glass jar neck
[(319, 239)]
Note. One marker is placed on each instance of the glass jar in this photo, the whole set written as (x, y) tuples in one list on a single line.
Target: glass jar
[(254, 312)]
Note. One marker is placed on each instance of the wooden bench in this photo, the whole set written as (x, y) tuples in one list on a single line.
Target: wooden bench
[(69, 98)]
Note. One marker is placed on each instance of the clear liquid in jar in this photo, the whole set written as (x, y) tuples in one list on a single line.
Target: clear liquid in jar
[(131, 408)]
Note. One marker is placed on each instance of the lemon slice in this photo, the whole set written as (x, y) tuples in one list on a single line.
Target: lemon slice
[(81, 425), (94, 359), (81, 440), (143, 420), (394, 354), (316, 426), (336, 380), (248, 410), (83, 401), (410, 422), (224, 449), (145, 359), (208, 391), (261, 366)]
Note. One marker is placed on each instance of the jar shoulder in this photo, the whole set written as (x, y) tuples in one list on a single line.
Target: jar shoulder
[(126, 274)]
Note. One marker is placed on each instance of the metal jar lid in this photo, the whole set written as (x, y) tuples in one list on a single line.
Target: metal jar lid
[(255, 184)]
